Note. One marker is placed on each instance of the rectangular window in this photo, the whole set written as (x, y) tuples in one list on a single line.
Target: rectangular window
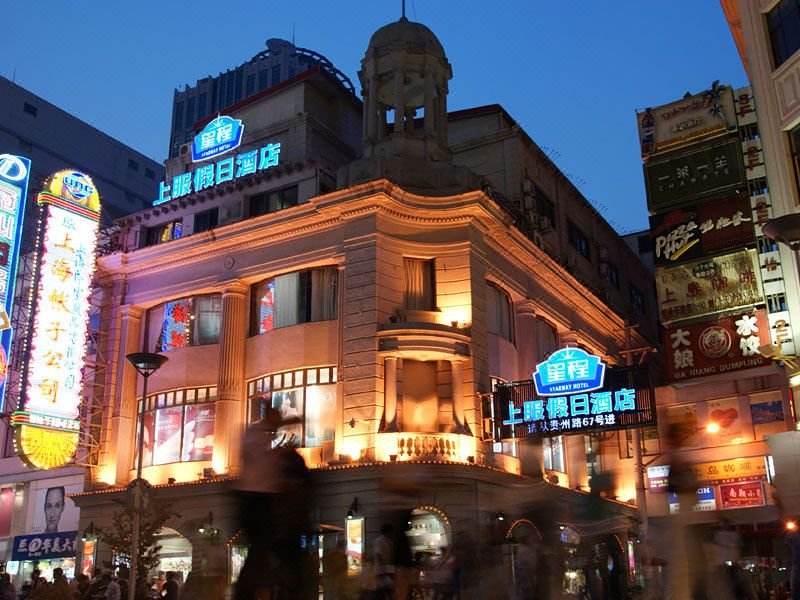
[(190, 112), (163, 233), (545, 208), (594, 465), (177, 428), (291, 72), (294, 298), (578, 241), (420, 286), (499, 315), (263, 79), (650, 443), (192, 321), (269, 202), (251, 85), (133, 165), (178, 123), (306, 396), (30, 109), (276, 75), (202, 100), (149, 173), (783, 25), (203, 221), (553, 454), (637, 301), (612, 274), (239, 85)]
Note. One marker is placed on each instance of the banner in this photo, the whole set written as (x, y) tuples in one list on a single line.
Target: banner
[(696, 231), (721, 346), (39, 546), (742, 495), (712, 169), (709, 286)]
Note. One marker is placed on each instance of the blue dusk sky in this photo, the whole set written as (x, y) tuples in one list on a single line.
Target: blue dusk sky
[(570, 72)]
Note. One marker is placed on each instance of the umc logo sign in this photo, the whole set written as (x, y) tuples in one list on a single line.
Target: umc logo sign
[(219, 136), (569, 371)]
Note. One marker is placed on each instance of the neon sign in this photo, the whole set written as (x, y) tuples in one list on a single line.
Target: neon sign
[(569, 370), (221, 135), (47, 428), (211, 175), (14, 173)]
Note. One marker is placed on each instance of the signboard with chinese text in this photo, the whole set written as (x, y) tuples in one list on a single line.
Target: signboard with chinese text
[(46, 436), (692, 118), (625, 400), (658, 479), (696, 231), (14, 176), (709, 286), (213, 174), (567, 371), (733, 470), (221, 135), (41, 546), (706, 500), (742, 495), (721, 346), (711, 169)]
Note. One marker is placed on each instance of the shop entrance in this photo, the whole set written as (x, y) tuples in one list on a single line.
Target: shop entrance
[(428, 531), (176, 554)]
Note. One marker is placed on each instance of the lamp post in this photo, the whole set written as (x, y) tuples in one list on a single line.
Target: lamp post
[(145, 363)]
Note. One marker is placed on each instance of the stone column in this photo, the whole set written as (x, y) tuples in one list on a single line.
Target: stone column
[(527, 344), (390, 393), (228, 421), (372, 109), (120, 448), (430, 91), (457, 387), (399, 101)]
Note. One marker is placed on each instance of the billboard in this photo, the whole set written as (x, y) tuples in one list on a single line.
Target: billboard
[(47, 426), (14, 176), (688, 120), (712, 168), (709, 286), (695, 231), (625, 400), (720, 346)]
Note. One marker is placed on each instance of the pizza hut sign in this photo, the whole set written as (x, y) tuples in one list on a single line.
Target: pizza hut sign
[(714, 347)]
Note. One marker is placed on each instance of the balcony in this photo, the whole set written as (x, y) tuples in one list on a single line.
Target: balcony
[(437, 447)]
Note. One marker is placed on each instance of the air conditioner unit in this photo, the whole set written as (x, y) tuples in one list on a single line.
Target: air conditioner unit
[(185, 148)]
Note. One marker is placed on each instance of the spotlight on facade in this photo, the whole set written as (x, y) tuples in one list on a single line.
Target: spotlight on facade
[(791, 525), (500, 516), (89, 533), (712, 427)]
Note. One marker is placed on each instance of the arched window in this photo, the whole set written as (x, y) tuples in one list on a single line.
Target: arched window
[(546, 339), (499, 316)]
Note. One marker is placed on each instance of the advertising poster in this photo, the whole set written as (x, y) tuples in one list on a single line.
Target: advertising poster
[(198, 432), (149, 423), (53, 511), (39, 546), (742, 495), (685, 416), (320, 413), (168, 436), (354, 529), (706, 500), (87, 558), (6, 510), (720, 346), (725, 413), (695, 231), (658, 479), (709, 113), (709, 286), (713, 168), (766, 414)]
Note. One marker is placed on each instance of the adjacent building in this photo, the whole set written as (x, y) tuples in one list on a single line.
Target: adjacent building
[(372, 269)]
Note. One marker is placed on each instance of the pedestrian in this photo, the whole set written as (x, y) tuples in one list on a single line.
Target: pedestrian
[(169, 591), (60, 588), (112, 587), (97, 587), (9, 591), (383, 555), (334, 572), (525, 569)]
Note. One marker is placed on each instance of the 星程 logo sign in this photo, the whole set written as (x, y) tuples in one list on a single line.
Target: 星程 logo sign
[(568, 371), (221, 135)]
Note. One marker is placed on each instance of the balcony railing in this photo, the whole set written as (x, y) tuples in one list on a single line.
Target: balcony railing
[(444, 447)]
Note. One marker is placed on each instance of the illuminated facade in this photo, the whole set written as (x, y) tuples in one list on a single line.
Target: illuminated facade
[(374, 295)]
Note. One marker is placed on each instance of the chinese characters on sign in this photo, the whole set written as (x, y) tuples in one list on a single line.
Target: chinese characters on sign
[(708, 286), (569, 370), (693, 232), (40, 546), (742, 495), (734, 470), (14, 174), (221, 135), (721, 346), (715, 168), (210, 175)]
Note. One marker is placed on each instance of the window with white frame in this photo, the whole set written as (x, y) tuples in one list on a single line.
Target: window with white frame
[(183, 322), (553, 454), (306, 397)]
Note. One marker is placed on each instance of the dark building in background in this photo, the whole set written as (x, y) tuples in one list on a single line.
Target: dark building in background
[(281, 61)]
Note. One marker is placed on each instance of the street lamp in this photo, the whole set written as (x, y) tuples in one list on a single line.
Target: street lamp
[(785, 230), (145, 363)]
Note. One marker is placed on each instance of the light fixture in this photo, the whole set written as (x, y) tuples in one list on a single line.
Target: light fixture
[(791, 525), (393, 457), (351, 512), (454, 324), (712, 427), (500, 516), (89, 533)]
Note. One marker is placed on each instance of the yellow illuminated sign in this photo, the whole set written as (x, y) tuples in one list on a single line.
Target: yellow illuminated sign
[(75, 187), (737, 468), (44, 448)]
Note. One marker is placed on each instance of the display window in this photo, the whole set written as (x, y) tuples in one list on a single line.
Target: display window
[(178, 426), (184, 322)]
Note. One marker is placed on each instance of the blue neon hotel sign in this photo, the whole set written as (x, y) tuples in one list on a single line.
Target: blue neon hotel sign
[(14, 176), (569, 370), (210, 175), (221, 135)]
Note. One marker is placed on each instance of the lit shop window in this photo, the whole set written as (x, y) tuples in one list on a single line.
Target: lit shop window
[(178, 426), (306, 396), (300, 297), (192, 321), (164, 233), (553, 452)]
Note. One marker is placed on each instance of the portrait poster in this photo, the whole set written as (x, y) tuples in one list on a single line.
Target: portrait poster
[(168, 436), (53, 511), (725, 413), (198, 432)]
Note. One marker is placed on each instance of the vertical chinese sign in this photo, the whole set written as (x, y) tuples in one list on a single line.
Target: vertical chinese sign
[(47, 427), (14, 175)]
